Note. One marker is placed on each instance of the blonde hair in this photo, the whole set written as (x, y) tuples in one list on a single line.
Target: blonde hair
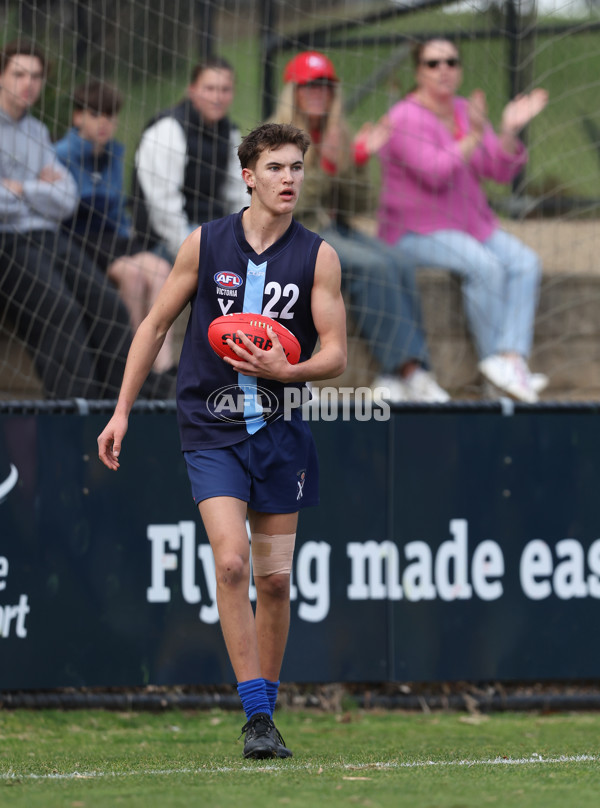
[(287, 112)]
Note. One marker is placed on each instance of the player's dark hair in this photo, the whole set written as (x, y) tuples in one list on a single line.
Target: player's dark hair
[(97, 97), (211, 63), (21, 47), (270, 136)]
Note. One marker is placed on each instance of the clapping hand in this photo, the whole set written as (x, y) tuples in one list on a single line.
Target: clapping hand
[(374, 135), (522, 109), (331, 145), (477, 112)]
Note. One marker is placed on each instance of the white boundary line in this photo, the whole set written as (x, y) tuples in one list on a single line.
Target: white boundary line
[(282, 767)]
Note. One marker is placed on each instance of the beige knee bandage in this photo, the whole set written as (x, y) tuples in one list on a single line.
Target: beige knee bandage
[(272, 554)]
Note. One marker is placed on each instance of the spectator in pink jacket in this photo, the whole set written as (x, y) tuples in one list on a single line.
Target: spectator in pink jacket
[(433, 209)]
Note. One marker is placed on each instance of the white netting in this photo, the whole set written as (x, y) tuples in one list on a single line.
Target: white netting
[(147, 48)]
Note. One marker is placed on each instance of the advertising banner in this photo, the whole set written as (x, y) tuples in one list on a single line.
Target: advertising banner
[(448, 545)]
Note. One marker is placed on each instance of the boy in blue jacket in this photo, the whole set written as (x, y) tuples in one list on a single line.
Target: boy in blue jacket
[(101, 223)]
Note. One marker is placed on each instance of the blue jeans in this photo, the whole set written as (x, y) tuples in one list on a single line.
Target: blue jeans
[(500, 283), (380, 285)]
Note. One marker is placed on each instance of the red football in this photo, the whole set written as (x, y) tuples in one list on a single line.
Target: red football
[(254, 327)]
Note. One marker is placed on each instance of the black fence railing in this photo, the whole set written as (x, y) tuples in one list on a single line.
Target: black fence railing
[(501, 406)]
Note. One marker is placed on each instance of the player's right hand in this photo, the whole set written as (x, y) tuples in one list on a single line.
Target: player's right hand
[(109, 441)]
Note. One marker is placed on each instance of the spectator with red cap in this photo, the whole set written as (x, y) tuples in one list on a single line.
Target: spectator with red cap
[(379, 284)]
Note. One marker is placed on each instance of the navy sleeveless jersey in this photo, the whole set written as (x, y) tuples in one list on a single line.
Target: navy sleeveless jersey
[(216, 405)]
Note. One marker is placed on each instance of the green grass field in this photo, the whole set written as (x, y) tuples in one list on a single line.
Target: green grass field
[(92, 758)]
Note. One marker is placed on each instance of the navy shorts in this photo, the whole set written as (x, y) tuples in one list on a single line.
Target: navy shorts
[(275, 470)]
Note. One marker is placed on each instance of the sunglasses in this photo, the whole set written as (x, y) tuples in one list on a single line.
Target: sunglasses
[(454, 61)]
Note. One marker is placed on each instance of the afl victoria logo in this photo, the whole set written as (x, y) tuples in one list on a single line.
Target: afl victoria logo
[(228, 280), (7, 485)]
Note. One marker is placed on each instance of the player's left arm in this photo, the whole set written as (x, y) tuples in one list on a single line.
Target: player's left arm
[(329, 317)]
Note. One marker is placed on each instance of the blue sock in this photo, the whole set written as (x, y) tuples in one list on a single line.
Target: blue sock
[(253, 694), (272, 691)]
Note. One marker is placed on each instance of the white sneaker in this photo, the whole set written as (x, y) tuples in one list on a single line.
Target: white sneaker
[(510, 375), (422, 386), (391, 387), (539, 382)]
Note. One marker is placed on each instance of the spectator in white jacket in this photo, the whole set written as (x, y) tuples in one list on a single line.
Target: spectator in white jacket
[(186, 166)]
